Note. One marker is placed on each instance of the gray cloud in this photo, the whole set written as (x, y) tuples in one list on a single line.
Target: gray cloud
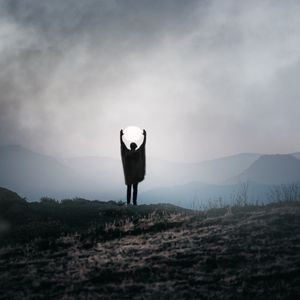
[(205, 78)]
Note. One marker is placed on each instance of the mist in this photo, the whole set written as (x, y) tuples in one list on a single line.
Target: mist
[(204, 78)]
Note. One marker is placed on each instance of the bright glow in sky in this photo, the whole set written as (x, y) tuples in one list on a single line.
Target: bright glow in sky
[(132, 133)]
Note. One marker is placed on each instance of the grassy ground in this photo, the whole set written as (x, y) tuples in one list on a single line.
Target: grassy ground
[(159, 252)]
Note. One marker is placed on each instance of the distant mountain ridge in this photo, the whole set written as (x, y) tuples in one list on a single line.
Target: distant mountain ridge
[(296, 154), (35, 175), (24, 171), (197, 194), (271, 169)]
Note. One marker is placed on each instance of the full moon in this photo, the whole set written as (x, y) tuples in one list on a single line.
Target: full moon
[(132, 133)]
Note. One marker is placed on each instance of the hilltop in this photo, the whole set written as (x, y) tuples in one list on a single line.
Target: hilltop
[(146, 252), (22, 221)]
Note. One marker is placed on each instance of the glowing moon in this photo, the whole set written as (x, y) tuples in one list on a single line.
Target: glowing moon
[(132, 133)]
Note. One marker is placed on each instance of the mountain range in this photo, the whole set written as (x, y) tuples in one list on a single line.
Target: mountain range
[(272, 169), (36, 175)]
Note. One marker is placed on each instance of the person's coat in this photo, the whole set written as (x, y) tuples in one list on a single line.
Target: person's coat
[(134, 163)]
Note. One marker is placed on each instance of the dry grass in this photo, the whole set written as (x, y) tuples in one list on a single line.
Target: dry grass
[(242, 253)]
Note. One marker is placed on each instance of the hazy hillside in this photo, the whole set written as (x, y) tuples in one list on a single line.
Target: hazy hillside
[(162, 172), (271, 169), (297, 155), (34, 175), (218, 170), (99, 174), (197, 194)]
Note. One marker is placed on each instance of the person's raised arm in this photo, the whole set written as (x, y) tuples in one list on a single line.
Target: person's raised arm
[(121, 139), (144, 141)]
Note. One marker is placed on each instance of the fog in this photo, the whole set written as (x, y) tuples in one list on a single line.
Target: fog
[(204, 78)]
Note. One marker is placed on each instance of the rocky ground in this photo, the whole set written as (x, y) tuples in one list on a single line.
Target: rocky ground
[(238, 253)]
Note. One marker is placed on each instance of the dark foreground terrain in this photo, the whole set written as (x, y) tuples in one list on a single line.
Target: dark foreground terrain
[(148, 252)]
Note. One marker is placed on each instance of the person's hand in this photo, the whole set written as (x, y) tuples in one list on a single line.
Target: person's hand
[(121, 132), (144, 132)]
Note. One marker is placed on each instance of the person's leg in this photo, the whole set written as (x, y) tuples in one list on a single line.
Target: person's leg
[(128, 193), (135, 190)]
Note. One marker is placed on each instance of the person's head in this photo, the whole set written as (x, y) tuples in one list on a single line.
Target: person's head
[(133, 146)]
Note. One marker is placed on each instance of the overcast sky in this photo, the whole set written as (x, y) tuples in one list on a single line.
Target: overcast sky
[(204, 78)]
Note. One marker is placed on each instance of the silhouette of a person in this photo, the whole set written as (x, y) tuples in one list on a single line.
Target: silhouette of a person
[(134, 165)]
